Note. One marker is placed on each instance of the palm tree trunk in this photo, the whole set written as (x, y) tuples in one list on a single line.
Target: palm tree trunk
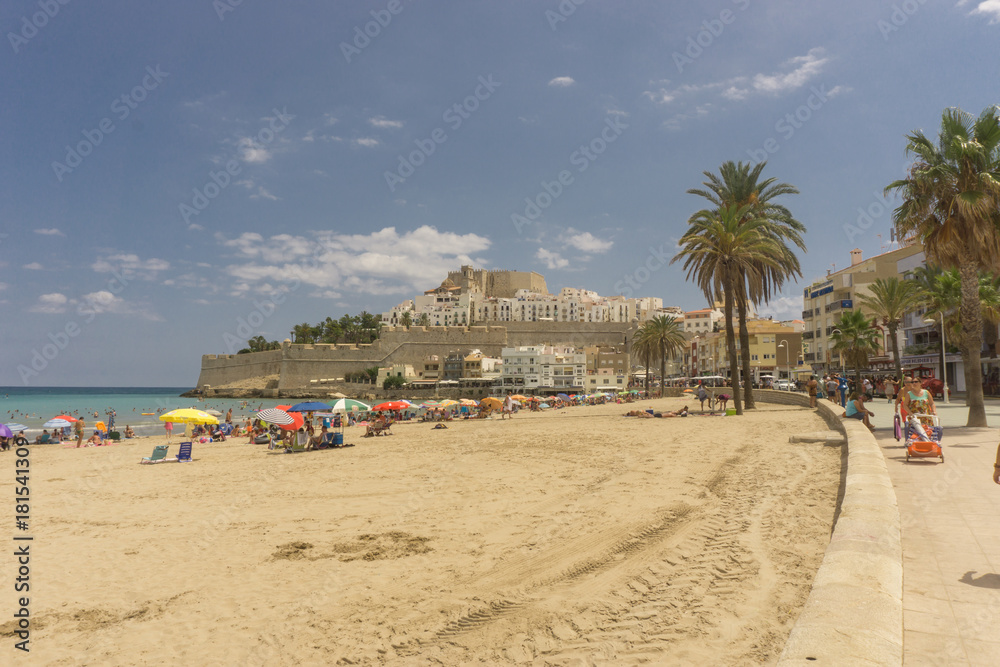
[(734, 371), (647, 372), (663, 370), (741, 305), (893, 330), (972, 329)]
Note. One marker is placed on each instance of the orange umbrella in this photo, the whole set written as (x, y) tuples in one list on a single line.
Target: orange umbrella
[(295, 425)]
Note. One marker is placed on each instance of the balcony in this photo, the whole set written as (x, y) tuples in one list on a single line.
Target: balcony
[(829, 330), (806, 314), (807, 335), (811, 356), (845, 304)]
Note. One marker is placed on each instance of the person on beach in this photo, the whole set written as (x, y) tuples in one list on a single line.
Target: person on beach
[(129, 433), (79, 432), (918, 401), (169, 428), (813, 387), (229, 416), (856, 409), (508, 407), (723, 400), (703, 396)]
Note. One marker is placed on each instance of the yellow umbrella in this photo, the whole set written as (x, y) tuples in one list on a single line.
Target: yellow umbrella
[(447, 403), (188, 416), (491, 403)]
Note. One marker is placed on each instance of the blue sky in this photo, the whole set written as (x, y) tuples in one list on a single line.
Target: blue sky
[(171, 171)]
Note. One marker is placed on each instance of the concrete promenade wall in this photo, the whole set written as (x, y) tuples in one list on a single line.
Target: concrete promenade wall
[(854, 613)]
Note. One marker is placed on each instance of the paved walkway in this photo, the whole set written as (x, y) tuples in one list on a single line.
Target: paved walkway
[(950, 519)]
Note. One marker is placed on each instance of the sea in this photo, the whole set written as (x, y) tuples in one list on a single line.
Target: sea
[(33, 406)]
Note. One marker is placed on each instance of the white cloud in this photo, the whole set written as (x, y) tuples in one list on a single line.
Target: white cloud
[(50, 304), (804, 69), (131, 266), (49, 232), (382, 262), (586, 242), (384, 123), (252, 152), (104, 302), (562, 81), (33, 266), (783, 308), (330, 119), (367, 142), (989, 8), (553, 260), (262, 193)]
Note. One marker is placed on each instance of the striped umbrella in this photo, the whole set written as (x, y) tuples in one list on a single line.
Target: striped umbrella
[(349, 405), (14, 427), (56, 423), (275, 416)]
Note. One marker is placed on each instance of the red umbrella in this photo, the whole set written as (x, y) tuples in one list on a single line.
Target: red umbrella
[(295, 425), (282, 407), (392, 405), (66, 417)]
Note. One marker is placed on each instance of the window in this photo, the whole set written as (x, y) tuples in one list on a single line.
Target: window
[(753, 357)]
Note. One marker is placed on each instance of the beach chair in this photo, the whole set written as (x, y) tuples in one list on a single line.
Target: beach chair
[(184, 453), (158, 456), (114, 435)]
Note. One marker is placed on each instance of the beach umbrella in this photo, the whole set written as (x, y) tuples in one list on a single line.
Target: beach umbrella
[(491, 402), (448, 402), (308, 406), (187, 416), (543, 406), (298, 421), (563, 397), (393, 405), (688, 391), (68, 418), (519, 397), (5, 432), (349, 405), (214, 413), (468, 402), (56, 423), (274, 416), (282, 407), (14, 427)]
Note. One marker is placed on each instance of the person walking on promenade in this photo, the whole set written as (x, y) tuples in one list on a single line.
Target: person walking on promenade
[(812, 386), (831, 388), (842, 386)]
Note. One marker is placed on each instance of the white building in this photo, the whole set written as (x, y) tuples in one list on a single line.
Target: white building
[(543, 367)]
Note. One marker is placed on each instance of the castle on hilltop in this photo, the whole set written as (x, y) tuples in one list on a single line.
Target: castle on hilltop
[(499, 284)]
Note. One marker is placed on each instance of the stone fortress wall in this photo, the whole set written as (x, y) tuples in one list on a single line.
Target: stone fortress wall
[(498, 283), (296, 366)]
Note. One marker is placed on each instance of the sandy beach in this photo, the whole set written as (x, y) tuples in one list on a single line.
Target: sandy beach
[(575, 536)]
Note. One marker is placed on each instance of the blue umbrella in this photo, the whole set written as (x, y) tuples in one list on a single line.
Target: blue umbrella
[(14, 427), (313, 406), (56, 423)]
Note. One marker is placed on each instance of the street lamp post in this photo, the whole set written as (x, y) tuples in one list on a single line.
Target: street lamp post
[(782, 345), (944, 362)]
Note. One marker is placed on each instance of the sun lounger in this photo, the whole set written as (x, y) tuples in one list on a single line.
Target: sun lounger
[(114, 435), (158, 456)]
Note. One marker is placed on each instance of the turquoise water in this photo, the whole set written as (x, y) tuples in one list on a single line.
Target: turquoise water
[(33, 406)]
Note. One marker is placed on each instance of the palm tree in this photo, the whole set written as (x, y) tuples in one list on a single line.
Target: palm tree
[(659, 338), (406, 319), (719, 247), (738, 184), (643, 347), (950, 203), (856, 337), (424, 320), (889, 301)]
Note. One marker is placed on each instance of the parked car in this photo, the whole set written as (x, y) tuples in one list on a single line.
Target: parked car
[(784, 385)]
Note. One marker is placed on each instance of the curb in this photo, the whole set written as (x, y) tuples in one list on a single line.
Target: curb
[(854, 613)]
